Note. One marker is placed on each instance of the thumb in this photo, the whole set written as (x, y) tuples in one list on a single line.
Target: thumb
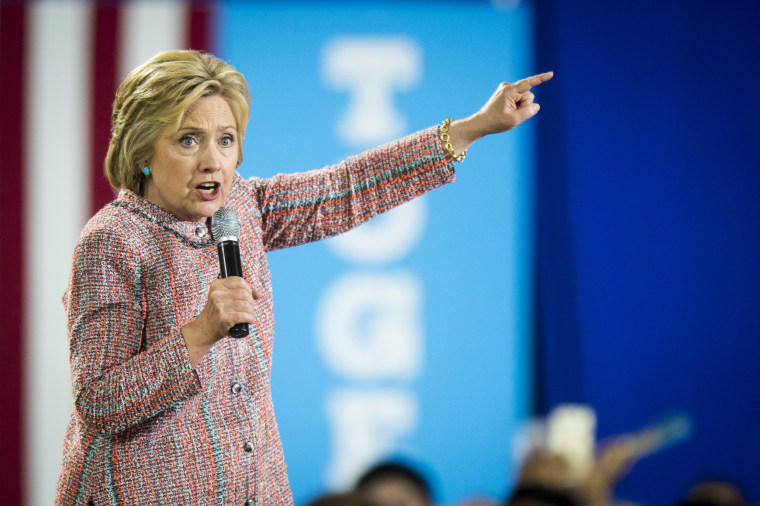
[(525, 112)]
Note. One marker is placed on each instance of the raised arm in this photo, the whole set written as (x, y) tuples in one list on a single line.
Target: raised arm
[(304, 207), (510, 105), (299, 208)]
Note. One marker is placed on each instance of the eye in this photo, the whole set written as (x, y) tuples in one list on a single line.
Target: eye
[(187, 141), (227, 140)]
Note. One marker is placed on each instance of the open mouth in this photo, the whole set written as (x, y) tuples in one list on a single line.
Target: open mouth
[(208, 188)]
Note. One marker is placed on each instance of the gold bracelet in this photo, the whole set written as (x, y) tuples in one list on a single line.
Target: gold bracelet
[(446, 140)]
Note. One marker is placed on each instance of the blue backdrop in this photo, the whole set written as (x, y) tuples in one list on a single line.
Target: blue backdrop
[(412, 338), (647, 228)]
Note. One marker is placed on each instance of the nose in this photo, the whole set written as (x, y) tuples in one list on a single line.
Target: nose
[(210, 159)]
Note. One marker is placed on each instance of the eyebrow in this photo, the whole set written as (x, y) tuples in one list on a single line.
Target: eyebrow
[(201, 129)]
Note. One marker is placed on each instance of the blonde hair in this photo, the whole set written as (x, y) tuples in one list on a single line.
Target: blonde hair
[(157, 94)]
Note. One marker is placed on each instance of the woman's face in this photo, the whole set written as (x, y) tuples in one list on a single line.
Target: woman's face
[(192, 168)]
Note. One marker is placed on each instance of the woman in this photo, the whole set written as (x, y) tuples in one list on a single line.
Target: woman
[(168, 409)]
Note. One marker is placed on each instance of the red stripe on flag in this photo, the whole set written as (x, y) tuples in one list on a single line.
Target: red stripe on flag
[(104, 79), (12, 133), (199, 32)]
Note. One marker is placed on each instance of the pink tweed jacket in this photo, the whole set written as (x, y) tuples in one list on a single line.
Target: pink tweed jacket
[(147, 427)]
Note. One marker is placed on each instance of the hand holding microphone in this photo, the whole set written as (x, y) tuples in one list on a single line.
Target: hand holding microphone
[(230, 304), (225, 229)]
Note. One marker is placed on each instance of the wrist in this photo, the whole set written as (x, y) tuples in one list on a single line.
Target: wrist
[(196, 345), (462, 134)]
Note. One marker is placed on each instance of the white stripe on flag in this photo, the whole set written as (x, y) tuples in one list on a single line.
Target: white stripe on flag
[(150, 27), (56, 206)]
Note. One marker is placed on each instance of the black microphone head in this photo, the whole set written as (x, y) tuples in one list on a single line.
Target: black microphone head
[(224, 225)]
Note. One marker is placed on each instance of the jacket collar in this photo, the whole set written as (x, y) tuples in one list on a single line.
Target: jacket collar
[(198, 233)]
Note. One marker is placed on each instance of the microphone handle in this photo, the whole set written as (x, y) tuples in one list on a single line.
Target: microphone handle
[(229, 263), (239, 330)]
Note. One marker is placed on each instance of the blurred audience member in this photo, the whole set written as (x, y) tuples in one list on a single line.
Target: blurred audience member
[(559, 471), (342, 499), (547, 479), (715, 493), (394, 484)]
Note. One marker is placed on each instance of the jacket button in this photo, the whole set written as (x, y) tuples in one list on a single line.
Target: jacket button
[(250, 502), (200, 232), (248, 446), (236, 388)]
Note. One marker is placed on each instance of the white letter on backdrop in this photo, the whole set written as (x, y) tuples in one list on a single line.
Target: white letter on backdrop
[(371, 69), (367, 425), (369, 326)]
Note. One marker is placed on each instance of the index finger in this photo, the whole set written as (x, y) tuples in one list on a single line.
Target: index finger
[(234, 282), (524, 85)]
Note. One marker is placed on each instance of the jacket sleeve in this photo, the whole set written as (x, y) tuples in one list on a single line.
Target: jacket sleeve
[(304, 207), (116, 383)]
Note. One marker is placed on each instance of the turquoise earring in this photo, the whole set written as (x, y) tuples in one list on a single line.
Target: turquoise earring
[(146, 171)]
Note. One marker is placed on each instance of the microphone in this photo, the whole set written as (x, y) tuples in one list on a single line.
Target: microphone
[(225, 229)]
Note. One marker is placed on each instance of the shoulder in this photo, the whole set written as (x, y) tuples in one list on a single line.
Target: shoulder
[(242, 197), (111, 232), (107, 264)]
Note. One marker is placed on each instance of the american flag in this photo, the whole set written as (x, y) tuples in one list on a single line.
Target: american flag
[(61, 64)]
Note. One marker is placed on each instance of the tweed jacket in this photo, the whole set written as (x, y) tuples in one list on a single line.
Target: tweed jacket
[(147, 427)]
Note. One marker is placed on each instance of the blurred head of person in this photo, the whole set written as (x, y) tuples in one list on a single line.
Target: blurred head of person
[(394, 484), (341, 499), (716, 492)]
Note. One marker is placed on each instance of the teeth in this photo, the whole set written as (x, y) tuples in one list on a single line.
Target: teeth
[(207, 187)]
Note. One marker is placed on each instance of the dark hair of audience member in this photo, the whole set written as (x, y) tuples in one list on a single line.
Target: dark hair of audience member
[(716, 491), (536, 495), (341, 499), (396, 472)]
